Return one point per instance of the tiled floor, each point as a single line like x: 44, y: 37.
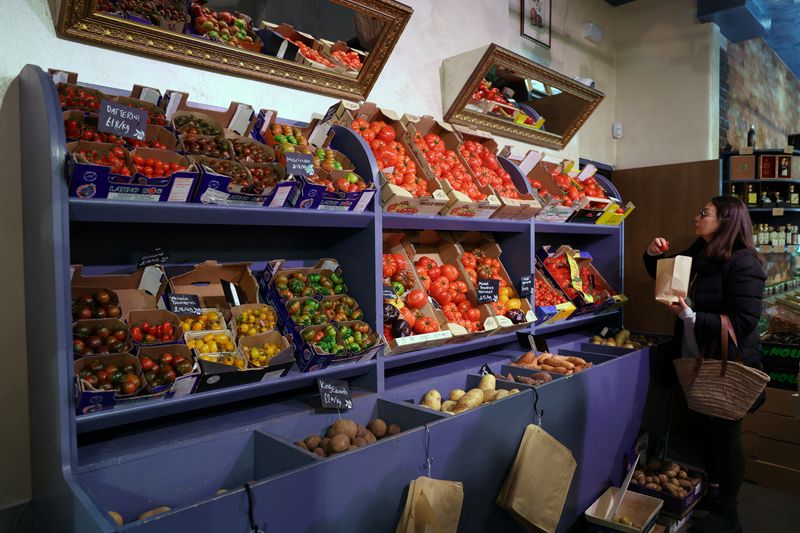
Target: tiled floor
x: 764, y: 510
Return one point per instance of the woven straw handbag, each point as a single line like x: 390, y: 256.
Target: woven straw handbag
x: 720, y: 388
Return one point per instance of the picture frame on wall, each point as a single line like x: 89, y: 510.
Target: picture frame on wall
x: 535, y: 16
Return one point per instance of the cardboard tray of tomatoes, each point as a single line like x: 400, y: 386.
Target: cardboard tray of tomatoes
x: 424, y: 327
x: 113, y: 177
x: 161, y: 384
x: 437, y: 140
x: 239, y: 117
x: 140, y: 289
x: 450, y: 287
x: 511, y: 311
x: 90, y: 399
x: 343, y: 55
x: 237, y: 187
x: 550, y: 303
x: 405, y: 186
x: 155, y: 327
x: 203, y: 280
x: 566, y: 268
x: 480, y: 151
x: 155, y: 115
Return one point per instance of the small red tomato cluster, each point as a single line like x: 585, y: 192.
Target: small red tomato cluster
x: 571, y: 190
x: 450, y: 292
x: 558, y: 267
x: 147, y: 333
x: 397, y: 165
x: 313, y: 55
x: 111, y: 377
x: 545, y: 295
x: 447, y: 166
x: 487, y: 170
x: 153, y: 168
x: 114, y: 158
x: 350, y: 183
x: 98, y: 340
x: 155, y: 144
x: 487, y: 92
x: 351, y: 59
x: 163, y: 370
x: 73, y: 97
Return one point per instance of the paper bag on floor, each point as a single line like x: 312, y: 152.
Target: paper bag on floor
x: 672, y: 278
x: 432, y: 506
x: 534, y: 504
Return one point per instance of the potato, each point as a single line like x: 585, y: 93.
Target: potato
x: 394, y: 429
x: 352, y: 447
x: 321, y: 452
x: 488, y: 382
x: 471, y: 399
x: 638, y: 472
x: 358, y: 442
x: 653, y: 486
x: 654, y: 464
x: 513, y: 391
x: 338, y: 444
x: 674, y: 482
x: 648, y: 479
x: 499, y: 395
x: 682, y: 474
x: 695, y: 481
x: 324, y: 443
x: 312, y: 442
x: 361, y: 432
x: 597, y: 339
x: 685, y: 483
x: 377, y: 427
x: 672, y: 489
x: 302, y: 444
x: 459, y: 408
x: 344, y: 427
x: 153, y: 512
x: 432, y: 400
x: 488, y: 395
x: 448, y: 405
x: 116, y: 517
x: 370, y: 437
x: 455, y: 394
x: 663, y: 478
x: 222, y: 491
x: 671, y: 473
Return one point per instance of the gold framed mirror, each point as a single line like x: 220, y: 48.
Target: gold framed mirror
x: 496, y: 90
x: 332, y: 47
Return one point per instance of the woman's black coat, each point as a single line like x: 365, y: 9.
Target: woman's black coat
x: 734, y: 288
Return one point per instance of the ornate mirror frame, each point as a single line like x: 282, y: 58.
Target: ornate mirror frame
x: 495, y: 55
x: 78, y: 20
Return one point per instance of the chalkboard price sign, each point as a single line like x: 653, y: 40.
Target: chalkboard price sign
x: 122, y: 120
x: 156, y: 257
x: 184, y: 304
x: 525, y: 285
x: 485, y: 370
x: 488, y: 290
x: 299, y: 164
x: 334, y: 393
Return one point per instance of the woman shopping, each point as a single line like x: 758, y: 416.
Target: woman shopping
x: 727, y: 280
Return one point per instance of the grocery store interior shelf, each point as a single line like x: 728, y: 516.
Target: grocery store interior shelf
x: 450, y: 223
x: 577, y: 321
x: 768, y: 181
x: 575, y: 228
x: 150, y: 409
x: 429, y: 354
x: 190, y: 213
x: 770, y: 209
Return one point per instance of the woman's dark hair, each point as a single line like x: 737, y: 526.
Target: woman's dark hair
x: 735, y: 229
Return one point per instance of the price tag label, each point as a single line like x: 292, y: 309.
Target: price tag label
x: 485, y: 370
x: 184, y: 304
x: 540, y: 343
x: 233, y: 293
x: 299, y: 164
x: 156, y: 257
x: 777, y: 211
x: 388, y: 293
x: 122, y: 120
x: 488, y: 290
x: 525, y: 285
x: 334, y: 393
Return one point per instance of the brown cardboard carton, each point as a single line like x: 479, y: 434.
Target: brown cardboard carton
x: 783, y: 428
x: 204, y: 281
x: 742, y: 167
x: 141, y: 289
x: 772, y: 451
x: 772, y: 476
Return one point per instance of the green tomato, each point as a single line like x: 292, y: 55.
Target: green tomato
x: 339, y: 289
x: 213, y: 34
x: 352, y: 178
x: 398, y: 288
x: 291, y: 140
x: 337, y: 165
x: 240, y: 23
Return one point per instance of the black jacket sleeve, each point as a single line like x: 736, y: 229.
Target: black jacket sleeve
x: 743, y: 289
x: 651, y: 261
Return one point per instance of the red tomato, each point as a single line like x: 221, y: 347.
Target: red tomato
x: 425, y: 325
x: 449, y: 271
x: 415, y: 299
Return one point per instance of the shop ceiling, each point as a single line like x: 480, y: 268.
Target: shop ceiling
x: 739, y: 20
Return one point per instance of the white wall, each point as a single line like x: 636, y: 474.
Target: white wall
x: 667, y: 84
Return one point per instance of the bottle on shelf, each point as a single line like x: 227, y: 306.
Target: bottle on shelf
x: 752, y: 196
x: 778, y: 199
x: 794, y: 197
x: 751, y: 136
x: 734, y: 190
x: 765, y: 199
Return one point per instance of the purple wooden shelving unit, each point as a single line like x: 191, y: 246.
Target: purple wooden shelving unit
x: 178, y: 452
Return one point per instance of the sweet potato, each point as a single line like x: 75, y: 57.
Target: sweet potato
x: 153, y: 512
x: 527, y: 358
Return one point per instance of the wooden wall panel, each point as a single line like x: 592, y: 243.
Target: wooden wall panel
x: 667, y: 198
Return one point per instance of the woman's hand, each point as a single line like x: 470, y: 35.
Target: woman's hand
x: 658, y: 246
x: 677, y: 308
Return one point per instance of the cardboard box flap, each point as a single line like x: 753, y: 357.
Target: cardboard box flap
x: 141, y: 289
x: 204, y: 281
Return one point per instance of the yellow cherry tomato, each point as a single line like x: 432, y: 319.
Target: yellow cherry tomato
x: 513, y: 303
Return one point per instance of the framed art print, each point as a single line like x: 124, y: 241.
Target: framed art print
x: 535, y: 20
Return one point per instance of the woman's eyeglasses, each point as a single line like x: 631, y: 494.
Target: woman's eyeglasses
x: 706, y: 213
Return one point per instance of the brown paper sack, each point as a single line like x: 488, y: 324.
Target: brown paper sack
x: 534, y: 504
x: 672, y: 278
x: 432, y: 506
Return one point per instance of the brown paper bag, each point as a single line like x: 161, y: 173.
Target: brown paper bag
x: 672, y: 278
x: 432, y: 506
x: 534, y: 504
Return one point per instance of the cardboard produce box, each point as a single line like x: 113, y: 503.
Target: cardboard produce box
x: 204, y: 281
x: 90, y: 400
x: 460, y: 204
x: 773, y: 476
x: 183, y: 385
x: 238, y: 118
x: 141, y: 289
x: 742, y: 167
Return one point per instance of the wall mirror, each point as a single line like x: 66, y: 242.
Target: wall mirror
x: 496, y: 90
x: 332, y: 47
